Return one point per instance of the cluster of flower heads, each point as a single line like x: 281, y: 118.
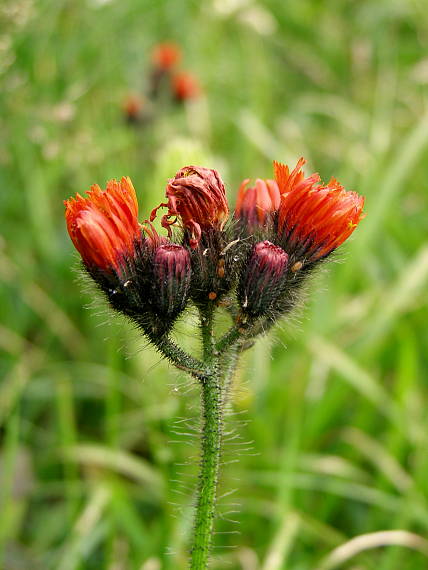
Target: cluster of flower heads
x: 253, y: 259
x: 165, y: 80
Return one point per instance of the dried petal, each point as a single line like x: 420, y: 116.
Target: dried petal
x: 197, y: 199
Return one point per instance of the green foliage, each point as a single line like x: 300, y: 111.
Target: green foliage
x: 98, y: 448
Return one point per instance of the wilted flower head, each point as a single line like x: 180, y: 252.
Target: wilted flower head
x: 197, y: 197
x: 104, y: 225
x: 313, y: 219
x: 255, y: 205
x: 166, y: 55
x: 185, y: 86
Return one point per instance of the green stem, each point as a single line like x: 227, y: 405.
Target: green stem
x: 206, y: 316
x: 229, y: 364
x: 236, y: 333
x: 214, y: 373
x: 212, y: 412
x: 208, y: 477
x: 227, y: 340
x: 179, y: 357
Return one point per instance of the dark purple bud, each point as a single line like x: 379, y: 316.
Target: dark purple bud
x: 262, y: 278
x: 171, y: 279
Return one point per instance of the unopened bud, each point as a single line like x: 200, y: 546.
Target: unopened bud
x: 172, y: 280
x: 256, y: 205
x: 262, y: 279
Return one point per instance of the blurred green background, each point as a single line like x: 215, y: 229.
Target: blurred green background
x: 98, y: 437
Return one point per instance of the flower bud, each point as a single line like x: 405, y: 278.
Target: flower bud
x: 262, y: 279
x: 197, y: 198
x: 171, y: 280
x: 255, y: 205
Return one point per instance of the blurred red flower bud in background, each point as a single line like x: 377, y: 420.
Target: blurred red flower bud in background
x: 185, y: 86
x: 132, y: 108
x: 166, y: 55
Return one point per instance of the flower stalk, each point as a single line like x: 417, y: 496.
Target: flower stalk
x: 215, y: 389
x: 212, y: 430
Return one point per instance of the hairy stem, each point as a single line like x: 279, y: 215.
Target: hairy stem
x: 208, y: 477
x: 229, y: 363
x: 179, y: 357
x: 206, y: 316
x: 236, y: 333
x: 228, y: 340
x: 212, y: 413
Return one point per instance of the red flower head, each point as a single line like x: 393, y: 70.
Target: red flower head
x: 185, y: 86
x: 166, y: 55
x: 103, y: 226
x: 315, y: 219
x: 198, y: 198
x: 255, y: 205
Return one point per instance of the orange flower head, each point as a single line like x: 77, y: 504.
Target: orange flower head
x: 197, y: 198
x: 166, y: 55
x: 255, y: 205
x: 315, y: 219
x: 104, y: 225
x: 185, y: 86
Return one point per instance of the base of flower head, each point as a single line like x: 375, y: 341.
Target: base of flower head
x: 152, y: 286
x: 216, y: 262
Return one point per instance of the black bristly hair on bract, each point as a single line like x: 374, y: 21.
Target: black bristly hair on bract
x: 302, y: 263
x: 132, y: 291
x: 216, y: 264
